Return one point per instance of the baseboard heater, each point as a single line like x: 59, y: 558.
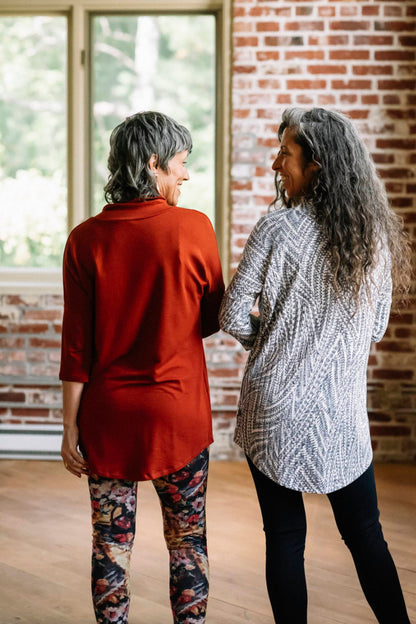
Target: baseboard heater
x: 30, y: 441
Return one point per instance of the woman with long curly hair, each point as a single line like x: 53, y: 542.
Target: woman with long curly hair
x: 323, y: 268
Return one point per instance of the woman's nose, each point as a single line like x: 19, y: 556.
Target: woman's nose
x: 276, y: 163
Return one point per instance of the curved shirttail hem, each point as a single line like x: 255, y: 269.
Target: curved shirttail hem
x: 163, y: 473
x: 298, y: 489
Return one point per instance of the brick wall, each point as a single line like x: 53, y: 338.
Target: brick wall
x: 359, y: 58
x: 355, y: 56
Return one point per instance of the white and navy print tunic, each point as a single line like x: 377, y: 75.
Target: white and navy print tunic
x: 302, y: 416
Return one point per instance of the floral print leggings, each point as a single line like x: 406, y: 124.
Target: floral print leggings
x: 182, y: 499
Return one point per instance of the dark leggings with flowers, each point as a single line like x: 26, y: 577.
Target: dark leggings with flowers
x: 182, y: 499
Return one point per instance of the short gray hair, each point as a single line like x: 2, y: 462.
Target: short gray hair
x: 132, y: 144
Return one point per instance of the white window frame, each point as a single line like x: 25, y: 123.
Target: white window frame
x: 48, y: 281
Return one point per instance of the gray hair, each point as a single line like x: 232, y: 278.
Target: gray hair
x: 132, y: 144
x: 348, y: 199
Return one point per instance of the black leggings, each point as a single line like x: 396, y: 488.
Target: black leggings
x: 357, y: 517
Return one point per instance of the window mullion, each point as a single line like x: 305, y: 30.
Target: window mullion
x: 77, y: 117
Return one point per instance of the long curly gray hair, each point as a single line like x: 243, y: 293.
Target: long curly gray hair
x: 132, y: 144
x: 348, y: 199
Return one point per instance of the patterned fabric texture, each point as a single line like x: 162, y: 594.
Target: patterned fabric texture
x: 182, y: 498
x: 302, y: 416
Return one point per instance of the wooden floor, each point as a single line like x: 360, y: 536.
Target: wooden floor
x: 45, y: 549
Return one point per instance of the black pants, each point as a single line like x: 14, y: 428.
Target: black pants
x: 357, y: 517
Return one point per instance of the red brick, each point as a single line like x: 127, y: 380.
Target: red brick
x: 380, y: 373
x: 395, y: 26
x: 12, y: 397
x: 305, y: 26
x: 351, y: 84
x: 358, y: 114
x: 29, y: 328
x: 370, y: 10
x: 379, y: 417
x: 304, y: 54
x: 373, y: 40
x: 350, y: 25
x: 401, y: 319
x: 241, y: 186
x: 390, y: 430
x: 326, y: 11
x: 30, y: 411
x: 328, y: 40
x: 393, y: 11
x: 394, y: 113
x: 246, y: 41
x: 394, y: 346
x: 243, y: 27
x: 269, y: 55
x: 241, y: 114
x: 44, y: 343
x: 407, y: 42
x: 305, y: 10
x: 395, y: 173
x: 42, y: 315
x: 257, y: 11
x: 304, y: 99
x: 10, y: 342
x: 283, y: 98
x: 401, y: 202
x: 269, y: 83
x: 370, y: 99
x: 405, y: 332
x: 396, y: 143
x: 394, y: 85
x: 326, y: 99
x: 283, y: 42
x: 245, y: 69
x: 364, y: 70
x: 306, y: 84
x: 327, y: 69
x: 225, y: 372
x: 341, y: 55
x: 394, y: 55
x: 384, y: 159
x: 393, y: 187
x: 267, y: 26
x: 239, y: 11
x: 391, y: 99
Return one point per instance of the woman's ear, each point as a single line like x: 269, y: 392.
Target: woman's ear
x: 153, y: 163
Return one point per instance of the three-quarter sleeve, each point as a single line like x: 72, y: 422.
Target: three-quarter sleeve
x: 77, y: 327
x: 383, y: 305
x: 245, y: 287
x: 214, y: 288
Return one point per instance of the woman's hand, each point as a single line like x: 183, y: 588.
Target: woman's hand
x: 73, y: 460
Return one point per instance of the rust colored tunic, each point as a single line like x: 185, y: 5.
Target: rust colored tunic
x: 142, y: 287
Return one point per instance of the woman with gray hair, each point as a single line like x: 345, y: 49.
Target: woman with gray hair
x: 142, y: 287
x: 322, y: 268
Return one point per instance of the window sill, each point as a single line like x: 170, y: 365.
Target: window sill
x: 30, y: 281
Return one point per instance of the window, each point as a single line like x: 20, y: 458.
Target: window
x: 164, y: 63
x: 33, y: 126
x: 68, y: 78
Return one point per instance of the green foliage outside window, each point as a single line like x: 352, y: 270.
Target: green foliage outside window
x: 33, y: 128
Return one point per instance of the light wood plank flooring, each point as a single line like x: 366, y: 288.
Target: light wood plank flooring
x: 45, y: 549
